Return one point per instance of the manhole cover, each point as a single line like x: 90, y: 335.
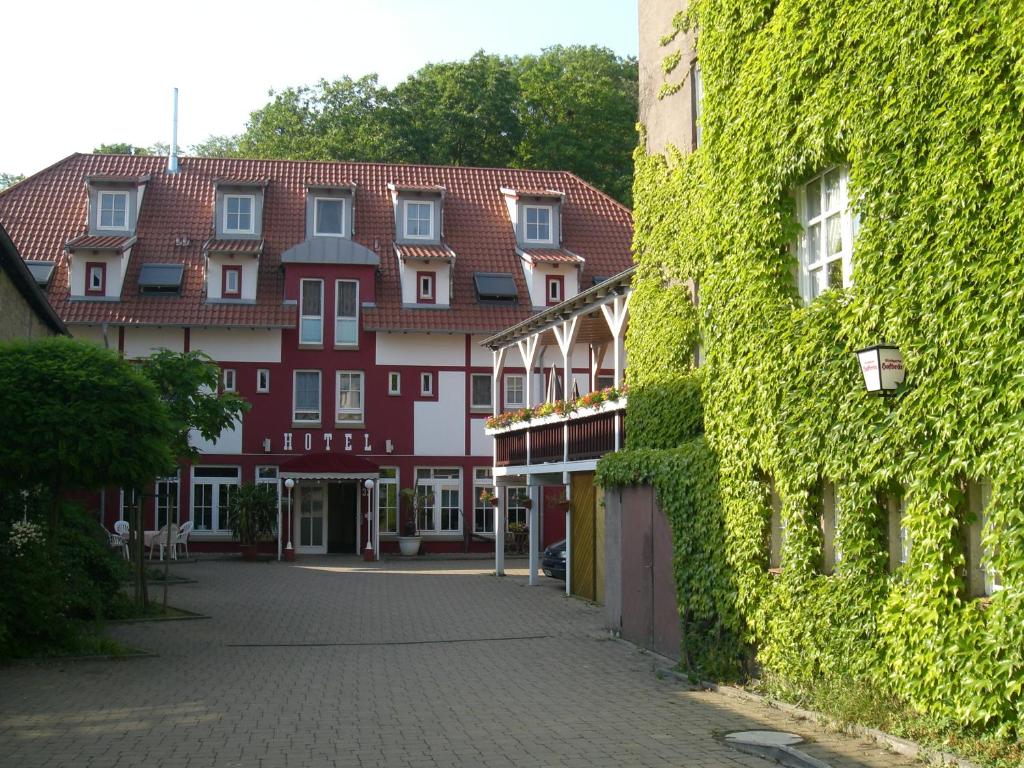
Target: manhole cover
x: 764, y: 738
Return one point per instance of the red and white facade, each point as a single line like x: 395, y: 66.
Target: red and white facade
x: 345, y: 301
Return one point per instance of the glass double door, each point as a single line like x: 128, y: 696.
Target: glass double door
x: 327, y: 518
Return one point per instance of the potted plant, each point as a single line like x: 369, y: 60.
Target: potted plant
x: 415, y: 500
x: 487, y: 497
x: 252, y: 511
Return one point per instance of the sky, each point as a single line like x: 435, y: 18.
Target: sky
x: 81, y: 74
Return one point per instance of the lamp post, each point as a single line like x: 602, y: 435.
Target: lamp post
x: 368, y: 551
x: 882, y: 367
x: 289, y: 551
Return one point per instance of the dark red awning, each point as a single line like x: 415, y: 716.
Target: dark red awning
x: 329, y: 466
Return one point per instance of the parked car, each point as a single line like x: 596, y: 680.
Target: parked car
x: 554, y: 560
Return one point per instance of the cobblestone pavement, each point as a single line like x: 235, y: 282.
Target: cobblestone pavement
x: 330, y: 662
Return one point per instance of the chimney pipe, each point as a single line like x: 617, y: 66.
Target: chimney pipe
x: 172, y: 159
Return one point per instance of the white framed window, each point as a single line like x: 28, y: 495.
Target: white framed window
x: 387, y: 487
x: 346, y: 313
x: 113, y: 210
x: 232, y: 279
x: 481, y: 385
x: 350, y: 397
x: 605, y: 381
x: 426, y: 384
x: 443, y: 487
x: 425, y: 286
x: 394, y: 383
x: 696, y: 102
x: 483, y: 511
x: 899, y: 537
x: 263, y: 380
x: 125, y: 502
x: 826, y: 244
x: 515, y: 390
x: 211, y: 494
x: 776, y: 529
x: 306, y: 398
x: 238, y: 214
x: 993, y: 579
x: 311, y: 311
x: 419, y: 219
x: 329, y: 217
x: 167, y: 500
x: 538, y: 223
x: 555, y: 289
x: 228, y: 379
x: 830, y: 554
x: 268, y: 476
x: 515, y: 506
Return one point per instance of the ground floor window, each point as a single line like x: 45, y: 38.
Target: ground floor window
x: 441, y: 489
x: 483, y: 510
x: 211, y: 492
x: 167, y: 500
x: 516, y: 512
x: 387, y: 487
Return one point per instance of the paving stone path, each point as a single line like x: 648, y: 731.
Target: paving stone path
x: 333, y: 662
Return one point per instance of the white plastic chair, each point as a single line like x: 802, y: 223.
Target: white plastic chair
x: 181, y: 540
x: 160, y: 542
x: 123, y: 531
x: 116, y: 540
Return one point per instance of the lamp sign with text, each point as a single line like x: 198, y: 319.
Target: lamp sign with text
x: 882, y: 366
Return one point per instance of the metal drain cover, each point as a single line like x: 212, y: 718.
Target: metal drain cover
x: 763, y: 738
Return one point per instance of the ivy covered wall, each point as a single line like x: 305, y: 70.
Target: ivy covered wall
x: 924, y: 103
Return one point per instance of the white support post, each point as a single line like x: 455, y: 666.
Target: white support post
x: 565, y: 335
x: 528, y: 350
x: 376, y: 520
x: 499, y: 532
x: 498, y: 356
x: 597, y: 355
x: 615, y: 314
x: 534, y: 535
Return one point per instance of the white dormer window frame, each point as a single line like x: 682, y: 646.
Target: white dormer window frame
x: 543, y: 232
x: 316, y: 216
x: 105, y: 205
x: 407, y: 207
x: 237, y: 214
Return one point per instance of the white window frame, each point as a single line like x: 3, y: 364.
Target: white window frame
x: 526, y: 224
x: 394, y: 382
x: 174, y: 480
x: 483, y: 479
x: 426, y: 278
x: 96, y: 268
x: 992, y: 579
x: 232, y: 271
x: 318, y: 318
x: 261, y: 478
x: 319, y: 400
x: 349, y: 415
x: 316, y: 216
x: 489, y: 405
x: 121, y: 505
x: 426, y: 384
x: 555, y: 296
x: 509, y: 403
x: 310, y: 494
x: 262, y: 380
x: 229, y: 379
x: 252, y: 215
x: 513, y: 496
x: 405, y: 219
x: 100, y: 208
x: 437, y: 486
x: 390, y: 481
x: 345, y: 321
x: 814, y: 276
x: 217, y: 503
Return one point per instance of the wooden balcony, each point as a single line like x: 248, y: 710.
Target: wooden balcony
x: 579, y: 436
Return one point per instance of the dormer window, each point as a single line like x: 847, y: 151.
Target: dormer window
x: 419, y: 219
x: 232, y: 281
x: 538, y: 223
x: 113, y: 210
x: 329, y: 217
x: 425, y: 287
x: 238, y: 214
x: 95, y: 278
x: 555, y: 289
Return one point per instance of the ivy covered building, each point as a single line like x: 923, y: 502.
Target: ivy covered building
x: 815, y: 179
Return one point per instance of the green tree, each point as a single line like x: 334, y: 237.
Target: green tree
x: 578, y: 109
x: 77, y: 417
x: 341, y: 120
x: 216, y: 146
x: 9, y: 179
x: 461, y: 113
x: 121, y: 148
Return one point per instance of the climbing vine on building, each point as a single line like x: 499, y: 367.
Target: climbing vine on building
x: 924, y: 104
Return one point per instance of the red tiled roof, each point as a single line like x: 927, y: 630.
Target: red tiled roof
x: 425, y: 252
x: 47, y: 210
x: 399, y: 187
x: 100, y: 243
x: 553, y: 256
x: 233, y: 246
x: 537, y: 193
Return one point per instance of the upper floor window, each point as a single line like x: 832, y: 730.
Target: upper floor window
x: 515, y: 392
x: 329, y: 217
x: 311, y: 312
x: 263, y: 380
x: 113, y: 210
x: 350, y: 397
x: 346, y: 313
x: 826, y: 244
x: 238, y: 214
x: 481, y: 390
x: 229, y: 379
x: 696, y: 101
x: 232, y: 278
x: 419, y: 219
x: 538, y: 223
x: 555, y: 289
x: 306, y: 397
x: 95, y: 278
x: 425, y: 287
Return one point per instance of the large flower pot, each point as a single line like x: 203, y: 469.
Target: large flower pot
x: 249, y: 552
x: 409, y: 545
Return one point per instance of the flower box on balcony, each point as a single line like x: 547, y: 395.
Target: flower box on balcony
x: 582, y: 412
